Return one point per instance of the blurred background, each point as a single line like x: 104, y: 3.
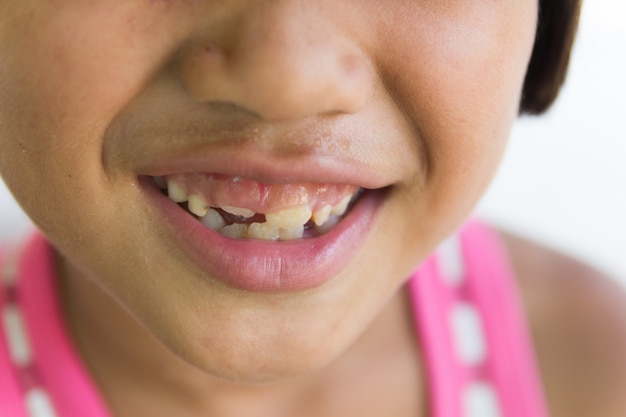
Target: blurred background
x: 563, y: 181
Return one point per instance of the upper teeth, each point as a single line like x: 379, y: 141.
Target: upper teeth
x: 341, y: 208
x: 289, y: 218
x: 237, y: 211
x: 176, y: 192
x: 320, y: 216
x: 285, y: 224
x: 197, y: 205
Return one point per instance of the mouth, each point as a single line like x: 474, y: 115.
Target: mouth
x: 260, y: 237
x: 240, y: 208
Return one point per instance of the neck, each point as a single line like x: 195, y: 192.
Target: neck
x: 137, y: 375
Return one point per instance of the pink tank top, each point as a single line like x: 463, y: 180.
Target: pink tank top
x: 469, y: 318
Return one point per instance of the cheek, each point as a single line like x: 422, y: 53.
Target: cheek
x: 61, y: 83
x: 461, y: 87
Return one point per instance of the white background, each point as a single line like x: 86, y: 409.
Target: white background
x: 563, y: 181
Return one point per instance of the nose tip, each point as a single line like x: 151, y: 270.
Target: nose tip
x: 279, y: 72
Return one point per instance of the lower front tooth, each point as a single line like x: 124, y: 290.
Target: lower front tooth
x: 213, y: 220
x: 263, y: 231
x: 235, y: 230
x: 291, y: 234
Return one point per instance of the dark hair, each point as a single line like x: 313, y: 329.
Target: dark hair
x: 556, y: 30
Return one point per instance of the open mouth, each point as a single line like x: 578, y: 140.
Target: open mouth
x: 240, y: 208
x: 265, y: 237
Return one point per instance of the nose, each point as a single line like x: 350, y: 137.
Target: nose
x: 280, y: 60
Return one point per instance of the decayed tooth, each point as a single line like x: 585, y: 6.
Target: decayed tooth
x: 235, y: 230
x: 263, y: 231
x: 176, y: 192
x: 320, y: 216
x: 341, y: 207
x: 198, y: 205
x: 213, y: 219
x: 238, y: 211
x: 291, y: 234
x: 289, y: 218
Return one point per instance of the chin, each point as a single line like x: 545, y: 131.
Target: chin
x: 265, y: 369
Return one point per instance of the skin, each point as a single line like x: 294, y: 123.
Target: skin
x: 430, y: 89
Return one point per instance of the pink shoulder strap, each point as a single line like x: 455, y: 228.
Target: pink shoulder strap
x: 10, y: 390
x: 478, y: 352
x: 40, y: 373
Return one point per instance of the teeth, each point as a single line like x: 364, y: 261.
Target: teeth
x: 238, y: 211
x: 213, y: 219
x: 289, y: 218
x: 263, y: 231
x: 198, y: 205
x: 292, y: 234
x: 286, y: 224
x: 176, y: 192
x: 330, y: 223
x: 341, y: 208
x: 321, y: 215
x: 235, y: 230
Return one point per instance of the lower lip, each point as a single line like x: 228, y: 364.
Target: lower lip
x: 266, y: 266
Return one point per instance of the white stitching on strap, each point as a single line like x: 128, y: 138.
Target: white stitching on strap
x: 450, y: 261
x: 38, y: 403
x: 481, y: 400
x: 468, y: 334
x: 478, y: 398
x: 15, y: 333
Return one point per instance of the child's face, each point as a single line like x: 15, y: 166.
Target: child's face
x: 414, y: 98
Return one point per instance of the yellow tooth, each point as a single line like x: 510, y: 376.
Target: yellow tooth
x: 321, y: 215
x: 341, y: 207
x: 213, y: 219
x: 176, y: 192
x: 238, y: 211
x: 198, y: 205
x: 263, y: 231
x: 291, y: 234
x: 289, y: 218
x: 235, y: 230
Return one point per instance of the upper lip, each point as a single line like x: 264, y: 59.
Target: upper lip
x: 268, y: 160
x: 264, y: 167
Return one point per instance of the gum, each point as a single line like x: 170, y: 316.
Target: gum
x: 220, y: 191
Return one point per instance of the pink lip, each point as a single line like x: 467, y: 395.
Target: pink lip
x: 266, y: 167
x: 264, y: 266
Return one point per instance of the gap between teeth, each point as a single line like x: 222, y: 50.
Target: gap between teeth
x: 286, y: 224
